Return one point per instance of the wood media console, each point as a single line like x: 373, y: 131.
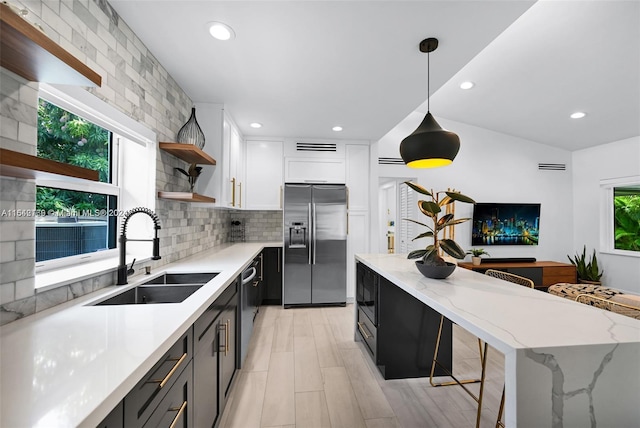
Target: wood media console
x: 543, y: 274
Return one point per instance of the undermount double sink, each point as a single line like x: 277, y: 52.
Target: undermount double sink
x: 165, y: 288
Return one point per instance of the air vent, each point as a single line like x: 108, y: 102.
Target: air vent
x: 390, y: 161
x: 552, y: 166
x: 316, y: 147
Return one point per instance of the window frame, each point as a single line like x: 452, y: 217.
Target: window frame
x: 607, y: 208
x: 125, y: 130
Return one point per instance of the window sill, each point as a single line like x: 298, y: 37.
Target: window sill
x: 622, y: 253
x: 55, y: 278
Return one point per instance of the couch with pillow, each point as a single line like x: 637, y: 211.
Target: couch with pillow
x: 601, y: 297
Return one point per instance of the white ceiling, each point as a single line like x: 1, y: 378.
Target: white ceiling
x: 301, y: 67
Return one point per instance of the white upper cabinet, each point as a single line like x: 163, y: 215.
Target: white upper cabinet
x: 224, y: 143
x: 263, y: 173
x: 314, y: 162
x: 357, y: 176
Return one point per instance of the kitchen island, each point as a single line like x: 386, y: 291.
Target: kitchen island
x: 72, y: 364
x: 566, y: 364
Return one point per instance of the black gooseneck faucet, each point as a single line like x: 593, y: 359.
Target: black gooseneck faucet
x: 122, y: 266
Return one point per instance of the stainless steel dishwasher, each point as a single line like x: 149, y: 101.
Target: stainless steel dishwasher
x: 251, y: 279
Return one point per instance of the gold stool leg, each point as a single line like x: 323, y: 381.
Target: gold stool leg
x: 435, y: 362
x: 483, y: 360
x: 499, y: 422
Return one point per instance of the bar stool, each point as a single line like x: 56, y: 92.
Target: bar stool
x: 516, y: 279
x: 482, y: 347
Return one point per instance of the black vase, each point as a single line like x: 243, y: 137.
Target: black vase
x: 190, y: 133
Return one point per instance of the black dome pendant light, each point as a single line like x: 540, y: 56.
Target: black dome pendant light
x: 429, y: 146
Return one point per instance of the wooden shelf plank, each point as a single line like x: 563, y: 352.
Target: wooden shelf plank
x: 185, y: 197
x: 22, y: 165
x: 188, y: 153
x: 28, y: 52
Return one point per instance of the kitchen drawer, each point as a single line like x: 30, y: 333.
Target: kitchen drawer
x: 142, y: 400
x: 367, y: 332
x: 176, y: 408
x: 202, y: 325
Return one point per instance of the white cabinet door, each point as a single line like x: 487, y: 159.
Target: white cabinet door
x: 357, y: 175
x: 263, y: 175
x: 224, y: 143
x: 314, y: 170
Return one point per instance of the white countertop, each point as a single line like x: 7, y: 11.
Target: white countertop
x: 72, y: 364
x: 506, y: 316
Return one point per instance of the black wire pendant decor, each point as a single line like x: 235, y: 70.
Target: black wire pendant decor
x: 191, y: 133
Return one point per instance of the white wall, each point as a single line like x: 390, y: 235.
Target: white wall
x: 494, y: 167
x: 613, y: 160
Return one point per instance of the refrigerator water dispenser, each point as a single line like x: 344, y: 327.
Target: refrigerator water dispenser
x: 297, y: 235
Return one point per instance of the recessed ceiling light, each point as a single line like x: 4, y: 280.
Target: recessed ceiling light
x: 467, y: 85
x: 255, y: 125
x: 578, y: 115
x: 337, y: 128
x: 221, y: 31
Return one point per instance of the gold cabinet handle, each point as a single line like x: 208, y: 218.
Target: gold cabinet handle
x: 363, y: 330
x: 233, y: 192
x: 240, y: 195
x: 261, y: 267
x: 180, y: 412
x: 164, y: 381
x: 279, y: 249
x: 281, y: 197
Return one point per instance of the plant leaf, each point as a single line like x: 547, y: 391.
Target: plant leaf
x: 416, y: 254
x: 429, y: 208
x: 450, y: 247
x: 182, y: 171
x: 460, y: 197
x: 418, y: 188
x: 445, y: 218
x: 423, y: 235
x: 417, y: 222
x: 454, y: 222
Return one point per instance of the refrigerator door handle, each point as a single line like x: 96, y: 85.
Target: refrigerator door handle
x: 312, y: 236
x: 314, y: 232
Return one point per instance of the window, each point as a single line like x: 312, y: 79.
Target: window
x: 78, y: 220
x: 626, y: 215
x: 71, y: 221
x: 620, y: 232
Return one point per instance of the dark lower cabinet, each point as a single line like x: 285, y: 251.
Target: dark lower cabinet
x: 402, y: 339
x: 176, y: 408
x: 115, y: 418
x: 189, y: 386
x: 142, y: 401
x: 272, y: 286
x: 214, y: 361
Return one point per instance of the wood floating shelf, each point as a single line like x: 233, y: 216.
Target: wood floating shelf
x: 22, y: 165
x: 28, y: 52
x: 185, y: 197
x: 188, y: 152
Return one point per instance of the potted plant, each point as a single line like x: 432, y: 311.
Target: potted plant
x: 587, y: 270
x: 192, y: 175
x: 475, y: 255
x: 431, y: 263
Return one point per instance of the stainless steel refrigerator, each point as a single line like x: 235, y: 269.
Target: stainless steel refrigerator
x: 315, y: 244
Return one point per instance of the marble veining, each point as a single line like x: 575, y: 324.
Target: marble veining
x: 558, y: 395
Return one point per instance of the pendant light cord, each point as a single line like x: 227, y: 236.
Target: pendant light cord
x: 428, y: 88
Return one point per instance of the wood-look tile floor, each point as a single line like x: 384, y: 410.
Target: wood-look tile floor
x: 304, y: 369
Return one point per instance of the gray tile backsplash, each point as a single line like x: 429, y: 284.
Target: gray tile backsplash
x: 138, y: 85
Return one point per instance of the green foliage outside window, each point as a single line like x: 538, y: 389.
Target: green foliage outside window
x: 67, y: 138
x: 627, y: 218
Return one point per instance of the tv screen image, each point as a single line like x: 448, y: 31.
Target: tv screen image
x: 505, y: 224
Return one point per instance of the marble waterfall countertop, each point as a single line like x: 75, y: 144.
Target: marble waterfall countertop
x: 559, y: 355
x: 72, y: 364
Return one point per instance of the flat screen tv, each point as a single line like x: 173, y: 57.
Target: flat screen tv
x: 505, y: 224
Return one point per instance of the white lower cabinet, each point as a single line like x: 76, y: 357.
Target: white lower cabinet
x: 263, y: 175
